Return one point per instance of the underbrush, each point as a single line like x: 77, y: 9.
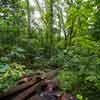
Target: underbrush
x: 87, y: 85
x: 10, y: 74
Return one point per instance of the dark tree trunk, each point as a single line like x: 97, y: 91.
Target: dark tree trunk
x: 28, y: 18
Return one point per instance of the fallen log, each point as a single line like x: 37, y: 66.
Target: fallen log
x: 35, y: 97
x: 18, y: 88
x: 50, y: 75
x: 26, y: 93
x: 24, y: 90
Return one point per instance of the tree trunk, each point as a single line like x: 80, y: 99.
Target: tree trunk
x: 51, y: 26
x: 28, y: 18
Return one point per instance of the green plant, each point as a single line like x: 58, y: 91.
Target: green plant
x: 9, y: 74
x: 67, y: 78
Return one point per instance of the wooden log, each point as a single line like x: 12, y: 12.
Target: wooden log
x: 36, y: 97
x: 50, y: 75
x: 18, y: 88
x: 32, y: 89
x: 26, y: 93
x: 22, y: 91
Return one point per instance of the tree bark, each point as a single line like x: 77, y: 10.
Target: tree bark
x: 28, y: 19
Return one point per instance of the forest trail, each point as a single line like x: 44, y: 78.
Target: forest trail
x: 43, y: 87
x: 27, y: 87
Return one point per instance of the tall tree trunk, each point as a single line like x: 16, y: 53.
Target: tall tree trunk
x: 51, y: 21
x: 64, y: 31
x: 51, y: 26
x: 28, y: 18
x: 59, y: 23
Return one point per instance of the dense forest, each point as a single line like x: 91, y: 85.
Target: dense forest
x: 52, y: 34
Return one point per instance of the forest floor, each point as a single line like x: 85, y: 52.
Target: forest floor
x: 39, y: 86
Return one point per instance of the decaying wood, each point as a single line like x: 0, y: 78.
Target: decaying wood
x: 18, y: 88
x: 51, y: 74
x: 36, y: 97
x: 22, y: 91
x: 26, y: 93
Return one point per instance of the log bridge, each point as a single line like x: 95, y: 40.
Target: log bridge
x: 26, y: 90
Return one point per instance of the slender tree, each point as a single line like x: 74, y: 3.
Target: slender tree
x: 29, y: 18
x: 51, y: 22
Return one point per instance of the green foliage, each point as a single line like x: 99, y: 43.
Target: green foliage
x: 65, y: 35
x: 9, y: 74
x: 79, y: 97
x: 84, y: 83
x: 81, y: 68
x: 67, y: 78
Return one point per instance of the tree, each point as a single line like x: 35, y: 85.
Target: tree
x: 29, y: 18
